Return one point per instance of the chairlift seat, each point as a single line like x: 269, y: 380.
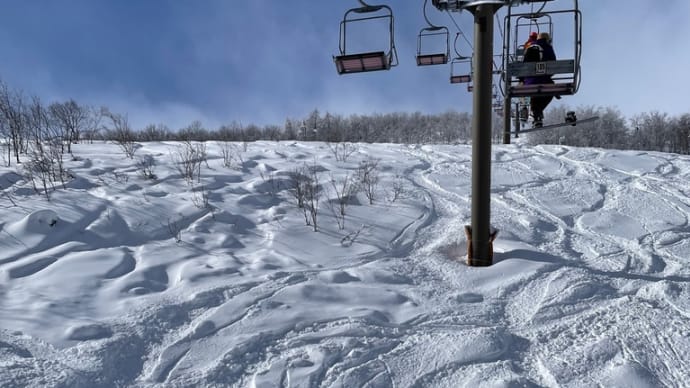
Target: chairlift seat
x: 542, y: 90
x: 459, y: 79
x: 358, y: 63
x: 432, y: 59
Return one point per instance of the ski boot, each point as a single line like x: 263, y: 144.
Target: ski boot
x: 570, y: 118
x: 537, y: 121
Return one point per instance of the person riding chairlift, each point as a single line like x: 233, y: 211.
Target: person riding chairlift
x: 531, y: 40
x: 539, y: 51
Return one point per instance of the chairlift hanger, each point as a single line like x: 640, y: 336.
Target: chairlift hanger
x: 425, y: 59
x: 347, y: 63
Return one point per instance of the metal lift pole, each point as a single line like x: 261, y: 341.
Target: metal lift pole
x: 481, y: 134
x: 506, y: 82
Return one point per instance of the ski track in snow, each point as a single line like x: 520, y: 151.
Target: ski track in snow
x: 570, y: 301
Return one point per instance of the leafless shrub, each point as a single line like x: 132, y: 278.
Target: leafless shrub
x: 187, y: 159
x: 45, y: 166
x: 232, y: 155
x: 342, y: 151
x: 5, y: 150
x: 122, y: 134
x: 146, y: 165
x: 312, y: 195
x: 368, y: 177
x: 6, y: 193
x: 175, y: 230
x: 202, y: 152
x: 200, y: 197
x: 350, y: 238
x: 269, y: 177
x: 120, y: 177
x: 305, y: 188
x: 39, y: 170
x: 397, y: 188
x: 298, y: 180
x: 343, y: 189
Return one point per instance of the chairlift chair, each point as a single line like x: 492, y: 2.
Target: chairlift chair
x: 425, y: 59
x: 564, y: 72
x: 347, y: 63
x: 457, y: 77
x: 460, y: 61
x: 432, y: 32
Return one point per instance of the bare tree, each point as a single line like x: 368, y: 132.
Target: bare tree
x: 94, y: 128
x: 344, y: 189
x: 232, y: 154
x: 368, y: 176
x: 121, y: 133
x: 312, y: 195
x: 147, y: 165
x: 681, y: 133
x: 305, y: 187
x: 342, y: 151
x: 298, y: 180
x: 188, y: 158
x: 12, y: 110
x: 72, y: 118
x: 155, y: 132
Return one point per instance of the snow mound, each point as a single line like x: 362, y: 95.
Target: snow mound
x: 38, y: 222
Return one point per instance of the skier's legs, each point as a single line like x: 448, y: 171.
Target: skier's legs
x: 538, y: 104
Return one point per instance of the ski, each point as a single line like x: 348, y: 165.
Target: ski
x: 550, y: 126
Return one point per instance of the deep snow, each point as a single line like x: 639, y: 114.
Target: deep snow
x: 589, y: 285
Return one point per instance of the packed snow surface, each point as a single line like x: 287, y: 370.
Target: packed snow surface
x: 119, y: 280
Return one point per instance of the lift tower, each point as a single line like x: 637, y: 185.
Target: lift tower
x: 483, y: 10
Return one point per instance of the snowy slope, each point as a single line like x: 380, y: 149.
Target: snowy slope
x: 589, y: 286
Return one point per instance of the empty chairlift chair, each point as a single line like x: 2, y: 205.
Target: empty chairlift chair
x: 347, y: 63
x: 458, y: 64
x: 436, y: 33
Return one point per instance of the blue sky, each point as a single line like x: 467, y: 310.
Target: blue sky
x: 262, y: 61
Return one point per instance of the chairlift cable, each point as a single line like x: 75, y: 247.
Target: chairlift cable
x: 498, y: 24
x: 460, y: 30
